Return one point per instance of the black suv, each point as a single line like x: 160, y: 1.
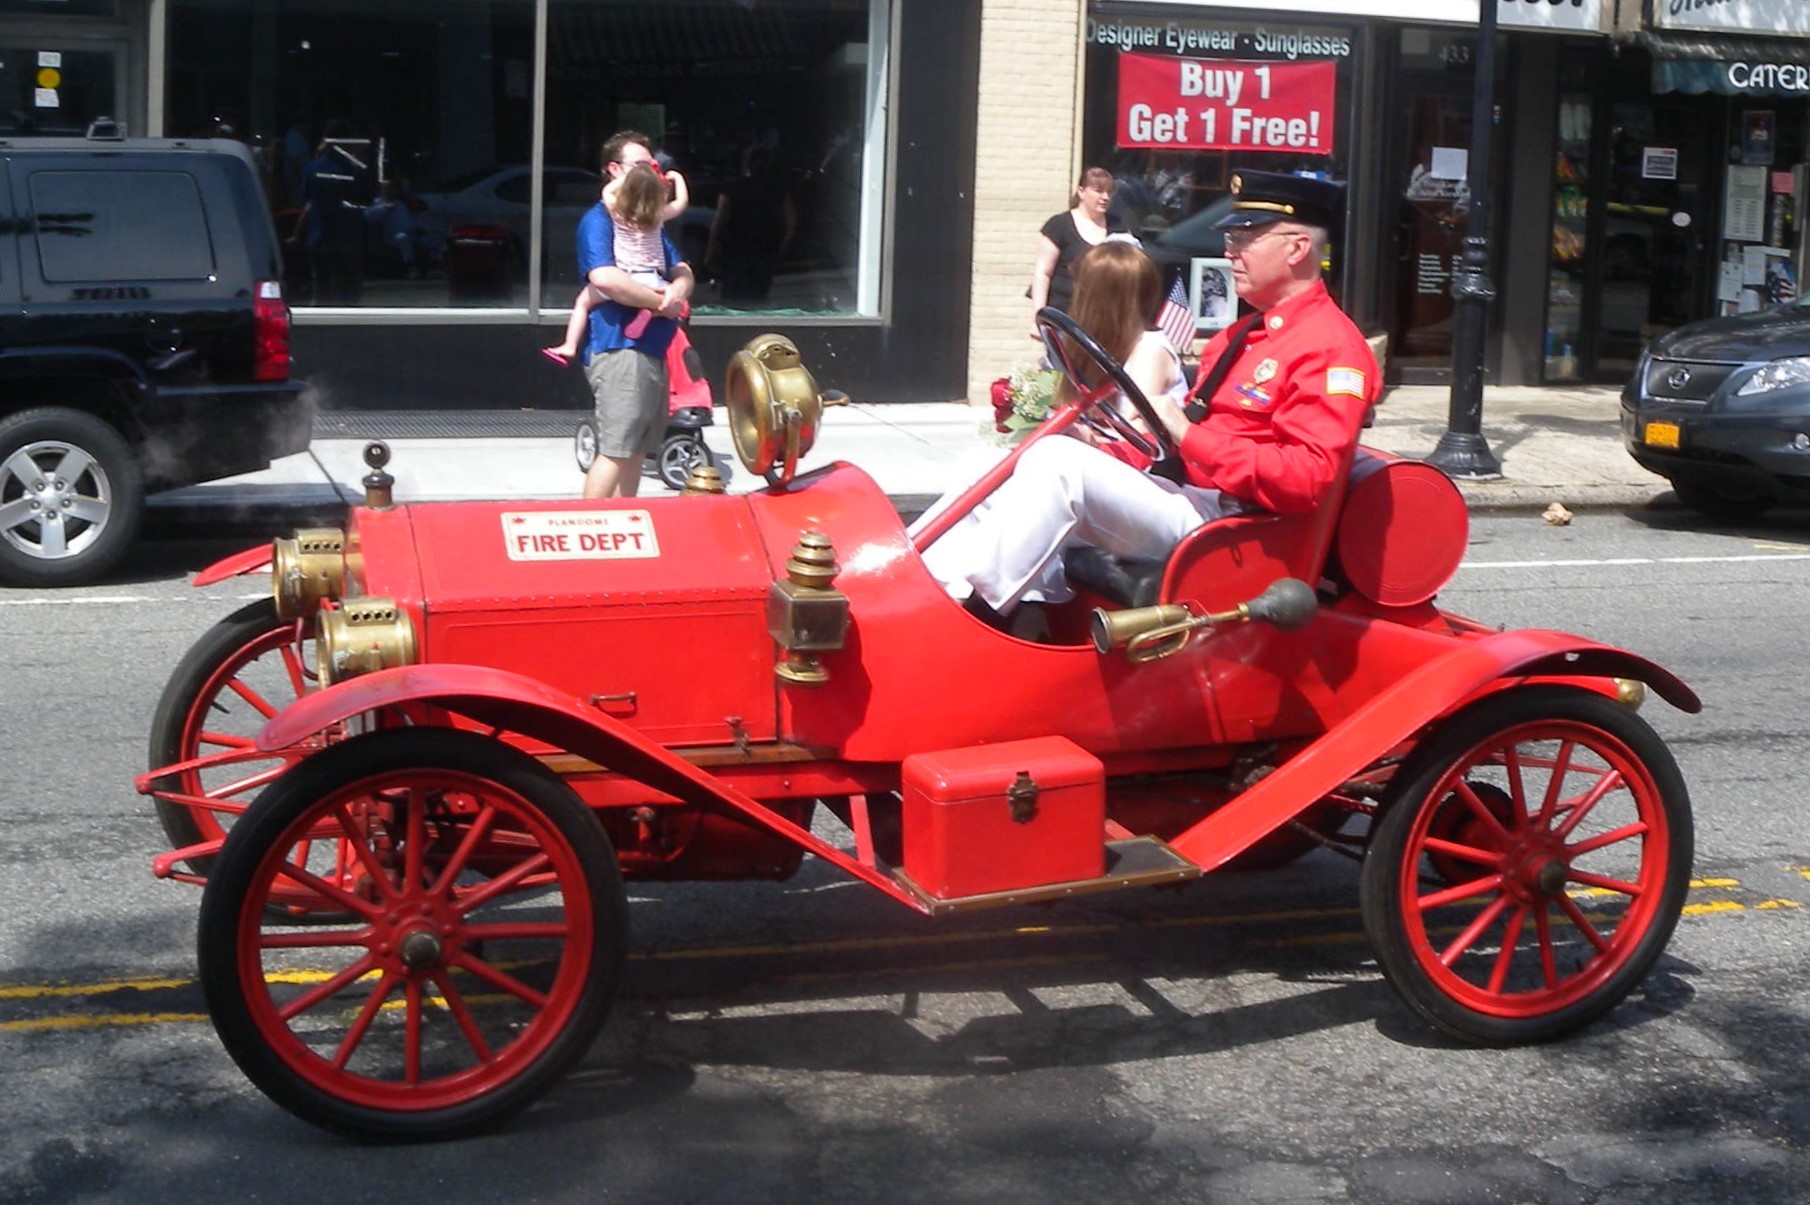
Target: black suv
x: 144, y: 340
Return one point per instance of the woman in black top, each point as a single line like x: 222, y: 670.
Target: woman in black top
x: 1066, y: 236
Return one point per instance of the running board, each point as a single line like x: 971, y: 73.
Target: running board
x: 1135, y: 862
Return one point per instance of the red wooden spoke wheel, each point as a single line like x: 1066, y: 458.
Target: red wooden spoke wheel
x: 241, y: 672
x: 1552, y: 894
x: 483, y: 939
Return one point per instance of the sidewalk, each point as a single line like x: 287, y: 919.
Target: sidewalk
x: 1555, y: 445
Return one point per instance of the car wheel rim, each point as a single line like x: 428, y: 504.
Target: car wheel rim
x: 55, y: 500
x: 466, y: 953
x: 677, y: 462
x: 1556, y: 894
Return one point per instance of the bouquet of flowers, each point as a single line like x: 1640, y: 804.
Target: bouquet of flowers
x: 1023, y: 399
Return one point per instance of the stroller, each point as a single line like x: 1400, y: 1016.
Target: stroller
x: 688, y: 412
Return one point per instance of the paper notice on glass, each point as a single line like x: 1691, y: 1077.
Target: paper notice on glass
x: 1753, y: 265
x: 46, y: 98
x: 1744, y: 204
x: 1449, y: 163
x: 1728, y: 285
x: 1750, y: 301
x: 1659, y: 163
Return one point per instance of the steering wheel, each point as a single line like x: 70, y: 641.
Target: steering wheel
x: 1095, y: 375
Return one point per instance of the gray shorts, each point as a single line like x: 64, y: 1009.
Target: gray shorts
x: 629, y: 389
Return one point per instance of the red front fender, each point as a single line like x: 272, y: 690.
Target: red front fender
x: 1436, y: 688
x: 499, y: 699
x: 252, y: 560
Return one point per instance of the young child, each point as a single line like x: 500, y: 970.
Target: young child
x: 638, y: 207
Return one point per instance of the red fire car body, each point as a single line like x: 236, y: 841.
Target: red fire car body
x: 413, y: 913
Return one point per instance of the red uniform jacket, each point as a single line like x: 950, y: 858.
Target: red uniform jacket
x: 1281, y: 427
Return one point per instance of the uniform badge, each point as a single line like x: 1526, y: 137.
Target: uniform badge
x: 1264, y: 371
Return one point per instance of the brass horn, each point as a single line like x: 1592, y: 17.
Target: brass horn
x: 1151, y: 633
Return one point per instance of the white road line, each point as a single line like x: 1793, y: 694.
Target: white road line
x: 1637, y: 560
x: 113, y: 600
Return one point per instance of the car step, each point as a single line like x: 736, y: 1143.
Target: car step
x: 1133, y: 862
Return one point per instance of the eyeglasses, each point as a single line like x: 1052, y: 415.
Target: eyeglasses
x: 1240, y: 241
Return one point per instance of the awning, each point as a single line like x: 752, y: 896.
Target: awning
x: 1730, y: 66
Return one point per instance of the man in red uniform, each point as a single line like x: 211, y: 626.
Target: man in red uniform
x: 1275, y: 435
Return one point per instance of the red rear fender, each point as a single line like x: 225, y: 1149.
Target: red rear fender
x: 1418, y: 698
x: 252, y: 560
x: 499, y: 699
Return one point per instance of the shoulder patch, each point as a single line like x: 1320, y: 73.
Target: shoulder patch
x: 1348, y: 381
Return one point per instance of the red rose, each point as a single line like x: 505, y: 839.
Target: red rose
x: 1002, y: 404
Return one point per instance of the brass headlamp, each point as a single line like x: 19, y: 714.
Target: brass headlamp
x: 362, y: 637
x: 306, y: 570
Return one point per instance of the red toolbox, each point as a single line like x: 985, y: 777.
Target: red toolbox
x: 991, y: 818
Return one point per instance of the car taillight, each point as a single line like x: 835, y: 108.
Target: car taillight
x: 270, y: 355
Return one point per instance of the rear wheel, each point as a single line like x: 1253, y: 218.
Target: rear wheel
x: 1531, y: 866
x: 71, y: 497
x: 584, y: 444
x: 484, y: 940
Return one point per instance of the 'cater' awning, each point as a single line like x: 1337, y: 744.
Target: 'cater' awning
x: 1731, y: 66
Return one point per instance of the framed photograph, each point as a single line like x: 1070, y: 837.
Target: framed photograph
x: 1211, y: 295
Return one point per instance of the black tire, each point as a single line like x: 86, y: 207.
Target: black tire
x: 678, y: 456
x: 222, y: 649
x: 88, y: 477
x: 584, y: 444
x: 1511, y: 994
x: 419, y: 769
x: 1721, y: 504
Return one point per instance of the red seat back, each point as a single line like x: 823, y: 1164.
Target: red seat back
x: 1232, y: 560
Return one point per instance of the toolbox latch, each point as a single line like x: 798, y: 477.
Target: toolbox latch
x: 1022, y: 795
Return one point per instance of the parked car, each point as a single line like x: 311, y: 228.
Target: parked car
x: 144, y: 339
x: 484, y: 217
x: 1721, y: 409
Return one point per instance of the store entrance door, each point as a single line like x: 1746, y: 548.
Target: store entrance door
x: 1656, y: 218
x: 52, y: 88
x: 1430, y: 171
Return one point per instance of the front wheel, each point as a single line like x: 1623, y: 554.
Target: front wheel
x: 484, y: 935
x: 71, y: 497
x: 1721, y: 503
x: 678, y: 456
x: 1530, y: 867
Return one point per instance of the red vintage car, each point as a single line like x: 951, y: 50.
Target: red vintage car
x: 414, y: 781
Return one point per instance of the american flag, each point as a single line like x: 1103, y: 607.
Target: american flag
x: 1176, y: 318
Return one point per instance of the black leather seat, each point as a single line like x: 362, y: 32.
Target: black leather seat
x: 1128, y: 581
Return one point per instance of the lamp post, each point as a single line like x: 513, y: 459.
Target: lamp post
x: 1462, y: 451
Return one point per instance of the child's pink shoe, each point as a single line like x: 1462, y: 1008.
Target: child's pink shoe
x: 638, y: 323
x: 557, y: 356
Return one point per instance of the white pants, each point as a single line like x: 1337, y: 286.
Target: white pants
x: 1061, y: 492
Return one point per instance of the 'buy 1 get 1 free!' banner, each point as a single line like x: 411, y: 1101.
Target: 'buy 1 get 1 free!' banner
x: 1169, y: 103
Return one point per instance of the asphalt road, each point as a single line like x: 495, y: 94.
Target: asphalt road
x: 811, y: 1041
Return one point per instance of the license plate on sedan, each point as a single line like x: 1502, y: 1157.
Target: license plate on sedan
x: 1661, y: 435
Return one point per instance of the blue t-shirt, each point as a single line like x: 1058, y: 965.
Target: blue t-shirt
x: 597, y: 249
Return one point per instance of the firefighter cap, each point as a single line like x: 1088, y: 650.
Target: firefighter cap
x: 1260, y: 198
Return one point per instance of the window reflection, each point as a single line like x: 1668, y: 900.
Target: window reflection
x: 764, y: 108
x: 423, y: 108
x: 761, y: 108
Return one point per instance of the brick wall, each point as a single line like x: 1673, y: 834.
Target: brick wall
x: 1026, y: 158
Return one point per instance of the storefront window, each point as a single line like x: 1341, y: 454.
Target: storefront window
x: 767, y: 111
x: 1175, y: 107
x: 418, y: 116
x: 408, y: 122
